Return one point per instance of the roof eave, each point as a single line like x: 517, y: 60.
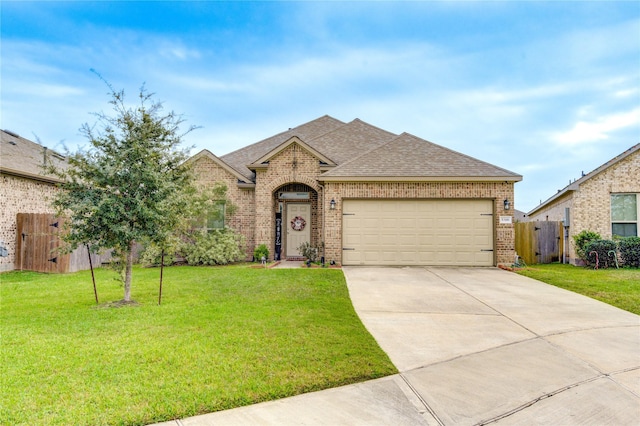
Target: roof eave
x: 208, y: 154
x: 294, y: 139
x: 576, y: 184
x: 506, y: 179
x: 33, y: 176
x: 326, y: 167
x: 569, y: 189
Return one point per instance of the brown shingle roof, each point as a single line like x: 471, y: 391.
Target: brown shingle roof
x: 363, y: 151
x: 22, y: 157
x: 351, y: 140
x: 408, y: 156
x: 240, y: 158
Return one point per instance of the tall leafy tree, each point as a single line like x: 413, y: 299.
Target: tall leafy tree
x: 130, y: 185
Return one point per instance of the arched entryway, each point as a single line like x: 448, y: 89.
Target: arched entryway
x: 297, y: 219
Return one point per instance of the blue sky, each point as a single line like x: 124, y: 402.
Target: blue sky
x: 544, y: 89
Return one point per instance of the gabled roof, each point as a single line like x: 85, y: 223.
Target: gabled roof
x: 261, y: 162
x: 239, y: 159
x: 351, y: 140
x: 573, y: 186
x: 360, y: 151
x: 22, y: 157
x: 409, y: 157
x: 205, y: 153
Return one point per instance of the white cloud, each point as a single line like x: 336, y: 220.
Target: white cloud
x: 626, y: 93
x: 598, y: 129
x: 180, y: 52
x: 44, y: 90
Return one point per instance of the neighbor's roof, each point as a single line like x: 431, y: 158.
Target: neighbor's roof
x: 364, y: 152
x: 576, y: 184
x: 22, y: 157
x: 408, y: 156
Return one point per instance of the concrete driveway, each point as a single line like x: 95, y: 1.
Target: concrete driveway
x: 475, y: 346
x: 482, y: 345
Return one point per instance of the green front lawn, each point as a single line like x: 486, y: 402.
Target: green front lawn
x: 617, y: 287
x: 223, y: 337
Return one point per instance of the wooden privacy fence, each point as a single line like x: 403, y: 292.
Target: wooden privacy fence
x: 539, y: 242
x: 38, y: 242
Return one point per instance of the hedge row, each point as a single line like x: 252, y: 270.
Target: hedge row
x: 607, y: 253
x: 215, y: 247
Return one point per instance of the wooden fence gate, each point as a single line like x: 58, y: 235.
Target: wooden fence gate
x: 539, y: 242
x: 38, y: 242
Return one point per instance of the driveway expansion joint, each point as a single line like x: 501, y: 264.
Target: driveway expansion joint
x: 416, y: 395
x: 484, y: 303
x: 583, y: 329
x: 540, y: 398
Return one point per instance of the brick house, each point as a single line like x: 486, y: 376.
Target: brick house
x: 25, y: 189
x: 367, y: 196
x: 606, y: 201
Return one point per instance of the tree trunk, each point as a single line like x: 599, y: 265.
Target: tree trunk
x: 127, y: 273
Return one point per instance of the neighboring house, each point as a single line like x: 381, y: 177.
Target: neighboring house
x: 520, y: 216
x: 606, y: 201
x: 25, y: 189
x: 367, y: 196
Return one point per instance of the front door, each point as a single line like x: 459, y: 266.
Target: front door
x: 298, y: 227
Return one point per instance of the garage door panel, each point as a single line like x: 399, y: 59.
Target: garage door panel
x: 369, y: 240
x: 386, y: 223
x: 387, y: 208
x: 404, y: 223
x: 406, y: 240
x: 407, y: 257
x: 370, y: 222
x: 418, y: 232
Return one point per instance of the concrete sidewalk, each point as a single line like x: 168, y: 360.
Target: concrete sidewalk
x: 474, y: 346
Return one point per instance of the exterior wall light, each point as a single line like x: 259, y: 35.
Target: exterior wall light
x: 507, y: 204
x: 332, y: 204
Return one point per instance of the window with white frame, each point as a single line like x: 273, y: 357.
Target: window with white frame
x: 624, y: 215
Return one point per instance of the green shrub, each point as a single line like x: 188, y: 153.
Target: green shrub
x: 630, y: 251
x: 310, y: 252
x: 603, y: 248
x: 260, y: 252
x: 582, y: 240
x: 151, y: 254
x: 216, y: 247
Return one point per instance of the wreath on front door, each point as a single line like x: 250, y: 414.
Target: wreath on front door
x: 298, y: 223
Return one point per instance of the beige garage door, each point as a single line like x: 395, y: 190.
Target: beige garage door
x: 417, y: 232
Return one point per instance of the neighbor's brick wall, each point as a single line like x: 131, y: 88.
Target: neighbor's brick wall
x: 554, y: 211
x: 591, y: 203
x: 208, y: 172
x: 497, y: 191
x: 20, y: 195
